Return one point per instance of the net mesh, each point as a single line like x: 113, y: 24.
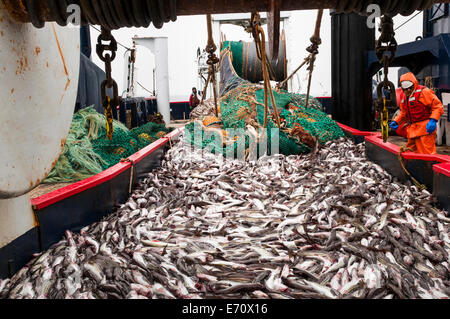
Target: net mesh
x: 88, y: 151
x: 242, y: 105
x: 236, y: 49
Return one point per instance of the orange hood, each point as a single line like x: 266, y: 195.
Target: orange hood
x: 410, y: 77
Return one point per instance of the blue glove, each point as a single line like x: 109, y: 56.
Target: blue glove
x: 431, y: 126
x: 394, y: 126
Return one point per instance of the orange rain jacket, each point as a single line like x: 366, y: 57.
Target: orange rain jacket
x: 401, y: 131
x: 433, y: 108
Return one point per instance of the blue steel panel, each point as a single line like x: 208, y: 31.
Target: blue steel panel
x: 433, y: 52
x: 442, y: 190
x: 18, y: 253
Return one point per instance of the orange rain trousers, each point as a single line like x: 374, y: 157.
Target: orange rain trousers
x: 425, y: 144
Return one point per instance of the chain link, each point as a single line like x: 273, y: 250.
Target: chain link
x: 212, y: 61
x: 316, y: 41
x: 386, y: 47
x: 107, y: 53
x: 260, y: 42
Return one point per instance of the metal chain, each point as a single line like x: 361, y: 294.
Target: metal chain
x: 107, y: 58
x: 212, y: 60
x: 260, y: 42
x: 384, y: 45
x: 314, y: 50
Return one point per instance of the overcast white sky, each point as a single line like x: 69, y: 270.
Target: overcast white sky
x: 189, y: 33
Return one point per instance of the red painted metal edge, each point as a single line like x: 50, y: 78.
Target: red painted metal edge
x: 175, y: 133
x: 323, y: 97
x: 379, y: 142
x: 442, y: 169
x: 425, y: 157
x: 354, y: 131
x: 78, y: 187
x: 407, y: 155
x: 146, y: 151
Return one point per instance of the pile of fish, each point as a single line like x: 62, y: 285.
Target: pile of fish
x: 204, y: 109
x: 325, y: 225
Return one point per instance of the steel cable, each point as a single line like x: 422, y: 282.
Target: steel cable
x: 394, y: 7
x: 99, y: 12
x: 410, y: 10
x: 351, y: 5
x: 56, y: 12
x: 163, y: 11
x: 138, y: 13
x: 117, y: 13
x: 35, y: 16
x: 173, y: 10
x: 120, y: 13
x: 89, y: 11
x: 108, y: 15
x: 128, y: 13
x: 111, y: 14
x: 426, y: 4
x: 154, y: 13
x: 114, y: 14
x: 361, y: 6
x: 388, y: 7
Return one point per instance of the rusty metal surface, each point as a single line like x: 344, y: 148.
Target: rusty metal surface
x: 192, y: 7
x: 18, y: 8
x: 273, y: 27
x: 38, y: 85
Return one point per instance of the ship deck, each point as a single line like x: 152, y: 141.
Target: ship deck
x: 401, y: 141
x: 43, y: 189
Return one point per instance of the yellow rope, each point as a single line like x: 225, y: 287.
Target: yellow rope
x: 384, y: 122
x: 400, y: 159
x: 109, y: 120
x: 260, y: 41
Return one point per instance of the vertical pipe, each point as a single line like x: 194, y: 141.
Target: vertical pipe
x: 351, y: 81
x: 159, y: 47
x: 16, y: 219
x: 123, y: 113
x: 85, y: 41
x: 162, y: 77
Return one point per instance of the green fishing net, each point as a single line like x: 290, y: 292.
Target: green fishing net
x: 236, y: 49
x: 242, y: 104
x: 88, y: 152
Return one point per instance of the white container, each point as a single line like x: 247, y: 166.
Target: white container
x: 38, y: 87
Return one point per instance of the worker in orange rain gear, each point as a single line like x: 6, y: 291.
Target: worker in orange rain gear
x: 421, y: 109
x: 401, y: 131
